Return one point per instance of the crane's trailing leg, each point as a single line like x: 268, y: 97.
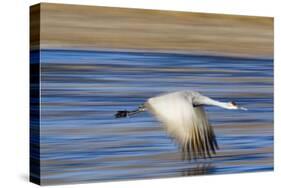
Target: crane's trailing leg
x: 126, y: 113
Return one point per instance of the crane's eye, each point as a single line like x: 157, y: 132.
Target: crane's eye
x: 233, y: 103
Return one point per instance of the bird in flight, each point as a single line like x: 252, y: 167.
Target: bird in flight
x: 183, y: 117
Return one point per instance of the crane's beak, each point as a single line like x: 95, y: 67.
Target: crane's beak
x: 243, y: 108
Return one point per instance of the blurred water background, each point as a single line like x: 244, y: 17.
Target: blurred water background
x: 81, y: 140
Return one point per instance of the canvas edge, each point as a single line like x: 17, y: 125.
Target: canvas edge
x: 34, y: 95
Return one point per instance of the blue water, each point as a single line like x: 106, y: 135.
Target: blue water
x: 81, y: 140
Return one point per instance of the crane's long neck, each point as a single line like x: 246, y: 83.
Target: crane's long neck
x: 213, y: 102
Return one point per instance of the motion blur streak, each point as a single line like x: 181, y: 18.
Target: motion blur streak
x: 81, y: 90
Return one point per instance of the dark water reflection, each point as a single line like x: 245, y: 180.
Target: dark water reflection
x: 81, y: 90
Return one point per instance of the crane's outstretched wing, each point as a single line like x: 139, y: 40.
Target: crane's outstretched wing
x: 184, y: 122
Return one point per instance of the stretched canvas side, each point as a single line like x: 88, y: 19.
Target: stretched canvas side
x: 34, y: 69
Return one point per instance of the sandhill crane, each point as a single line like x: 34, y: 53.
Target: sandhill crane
x: 183, y: 116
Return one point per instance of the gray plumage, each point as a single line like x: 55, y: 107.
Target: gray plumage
x: 183, y: 117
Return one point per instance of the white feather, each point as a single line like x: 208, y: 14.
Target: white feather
x: 183, y: 116
x: 184, y: 122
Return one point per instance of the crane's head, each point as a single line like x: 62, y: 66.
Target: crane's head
x: 233, y: 105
